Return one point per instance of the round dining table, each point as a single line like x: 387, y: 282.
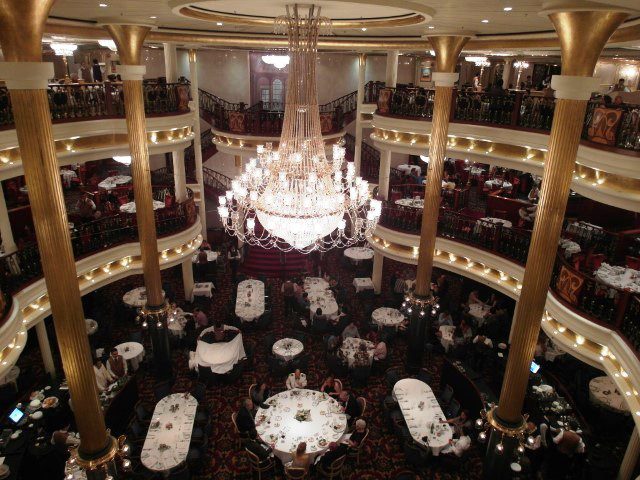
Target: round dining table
x: 287, y: 348
x: 409, y: 169
x: 387, y: 317
x: 137, y: 297
x: 110, y: 183
x: 410, y: 202
x: 358, y: 254
x: 351, y: 345
x: 130, y: 207
x: 604, y: 393
x: 498, y: 183
x: 619, y: 277
x: 132, y: 353
x: 300, y: 415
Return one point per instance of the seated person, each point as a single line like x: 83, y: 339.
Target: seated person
x: 319, y: 317
x: 380, y: 352
x: 103, y: 377
x: 303, y: 301
x: 361, y: 357
x: 333, y: 342
x: 351, y: 331
x: 116, y: 365
x: 62, y: 438
x: 350, y: 404
x: 301, y: 458
x: 259, y: 448
x: 296, y: 379
x: 459, y: 445
x: 567, y: 442
x: 528, y: 214
x: 459, y: 422
x: 445, y: 318
x: 358, y: 434
x: 244, y: 420
x: 331, y: 386
x: 335, y: 451
x: 474, y: 298
x: 200, y: 318
x: 260, y: 394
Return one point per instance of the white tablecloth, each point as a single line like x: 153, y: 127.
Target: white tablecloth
x: 287, y: 348
x: 351, y: 345
x: 570, y: 247
x: 136, y: 297
x: 387, y: 317
x: 477, y: 310
x: 359, y: 253
x: 362, y: 284
x: 222, y: 356
x: 67, y: 176
x: 498, y: 183
x: 408, y: 169
x: 176, y: 326
x: 178, y: 413
x: 583, y: 229
x: 250, y: 300
x: 446, y: 339
x: 505, y: 223
x: 475, y: 170
x: 211, y: 256
x: 131, y: 206
x: 325, y: 300
x: 603, y: 392
x: 132, y: 352
x: 315, y: 283
x: 203, y: 289
x: 619, y: 277
x: 92, y: 326
x: 112, y: 182
x: 413, y: 394
x: 410, y: 202
x: 278, y: 426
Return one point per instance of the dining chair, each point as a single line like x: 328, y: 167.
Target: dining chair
x: 295, y: 473
x: 256, y: 465
x: 251, y: 389
x: 362, y: 402
x: 239, y: 435
x: 334, y: 470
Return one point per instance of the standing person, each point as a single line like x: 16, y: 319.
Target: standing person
x: 84, y: 73
x: 116, y: 365
x: 289, y: 293
x: 103, y: 377
x: 234, y: 260
x: 96, y: 71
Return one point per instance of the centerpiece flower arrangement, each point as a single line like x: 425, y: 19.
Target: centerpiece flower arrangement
x: 303, y: 415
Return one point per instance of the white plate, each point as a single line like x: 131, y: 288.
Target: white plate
x: 37, y: 415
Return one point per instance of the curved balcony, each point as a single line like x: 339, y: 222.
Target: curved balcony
x: 595, y: 322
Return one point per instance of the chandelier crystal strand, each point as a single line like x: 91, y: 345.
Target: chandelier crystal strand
x: 295, y: 198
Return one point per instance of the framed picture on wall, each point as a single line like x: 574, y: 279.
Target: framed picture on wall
x: 425, y: 74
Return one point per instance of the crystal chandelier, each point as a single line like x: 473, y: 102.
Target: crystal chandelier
x: 295, y: 198
x: 278, y: 61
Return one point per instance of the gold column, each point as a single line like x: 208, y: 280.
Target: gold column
x: 21, y: 26
x: 129, y: 40
x: 447, y: 50
x: 583, y: 33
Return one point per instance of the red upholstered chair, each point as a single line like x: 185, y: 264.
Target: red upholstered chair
x: 578, y: 260
x: 500, y: 214
x: 594, y: 261
x: 632, y: 262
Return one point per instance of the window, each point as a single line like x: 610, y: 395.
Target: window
x: 276, y: 91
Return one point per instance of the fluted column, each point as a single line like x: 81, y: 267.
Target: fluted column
x: 179, y: 178
x: 21, y: 26
x: 197, y: 146
x: 506, y: 72
x: 391, y: 77
x: 129, y: 40
x: 630, y: 459
x: 170, y: 62
x: 447, y: 50
x: 8, y: 242
x: 583, y: 32
x: 45, y: 349
x: 376, y: 275
x: 384, y: 174
x: 357, y: 153
x: 187, y: 277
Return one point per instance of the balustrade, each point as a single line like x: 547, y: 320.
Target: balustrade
x: 84, y: 101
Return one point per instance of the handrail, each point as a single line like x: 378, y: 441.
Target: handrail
x: 22, y: 267
x: 215, y: 180
x: 83, y: 101
x: 518, y: 109
x: 609, y: 306
x: 206, y: 142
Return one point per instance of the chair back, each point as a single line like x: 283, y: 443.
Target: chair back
x: 234, y: 417
x: 251, y: 389
x: 336, y: 466
x: 447, y: 394
x: 254, y: 461
x: 363, y: 405
x: 295, y: 473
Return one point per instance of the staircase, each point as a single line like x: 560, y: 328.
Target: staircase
x: 274, y: 263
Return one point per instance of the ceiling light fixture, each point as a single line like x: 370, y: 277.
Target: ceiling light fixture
x: 103, y: 5
x: 153, y: 17
x: 123, y: 159
x: 507, y: 9
x: 278, y: 61
x: 364, y: 29
x: 110, y: 44
x: 485, y: 21
x: 431, y: 27
x: 219, y: 24
x: 295, y: 198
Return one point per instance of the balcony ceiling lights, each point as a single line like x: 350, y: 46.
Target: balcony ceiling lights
x: 296, y: 198
x: 110, y: 44
x: 123, y: 159
x: 278, y: 61
x: 63, y: 49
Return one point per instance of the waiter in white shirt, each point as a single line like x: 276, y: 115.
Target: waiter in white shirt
x: 459, y: 445
x: 296, y: 380
x: 103, y: 377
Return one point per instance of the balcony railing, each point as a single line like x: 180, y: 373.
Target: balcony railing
x: 265, y: 118
x: 85, y: 101
x: 614, y: 308
x: 23, y: 266
x: 613, y: 126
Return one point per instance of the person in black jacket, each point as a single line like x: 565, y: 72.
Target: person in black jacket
x: 258, y: 447
x: 336, y: 450
x: 244, y: 420
x: 350, y: 404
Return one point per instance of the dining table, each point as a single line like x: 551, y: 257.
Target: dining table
x: 67, y: 176
x: 569, y: 247
x: 478, y: 311
x: 619, y: 277
x: 250, y: 300
x: 351, y: 345
x: 409, y: 169
x: 130, y: 207
x: 300, y: 415
x: 220, y: 357
x: 363, y: 283
x: 202, y: 289
x: 584, y: 229
x: 604, y: 393
x: 357, y: 254
x: 167, y: 442
x: 136, y: 297
x: 387, y: 317
x: 410, y: 202
x: 132, y: 353
x: 422, y: 413
x: 496, y: 182
x: 315, y: 283
x: 324, y: 300
x: 211, y: 256
x: 287, y: 348
x: 114, y: 181
x: 495, y: 221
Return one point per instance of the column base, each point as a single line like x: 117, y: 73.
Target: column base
x: 505, y: 446
x: 419, y: 310
x: 156, y: 319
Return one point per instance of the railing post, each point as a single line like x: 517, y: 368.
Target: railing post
x: 515, y: 113
x: 108, y: 98
x: 621, y: 308
x: 497, y: 237
x: 454, y: 100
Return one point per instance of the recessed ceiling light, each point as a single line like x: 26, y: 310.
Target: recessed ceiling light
x: 153, y: 16
x: 219, y: 24
x: 507, y: 9
x: 364, y: 29
x: 103, y: 5
x: 431, y: 27
x: 485, y: 21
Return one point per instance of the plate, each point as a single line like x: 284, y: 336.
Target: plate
x: 50, y: 402
x: 16, y: 434
x: 37, y: 415
x: 516, y: 467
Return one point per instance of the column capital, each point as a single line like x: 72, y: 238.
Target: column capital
x: 583, y: 29
x: 447, y: 49
x: 26, y: 75
x: 571, y: 87
x: 21, y: 26
x: 129, y: 38
x: 444, y: 79
x: 131, y: 72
